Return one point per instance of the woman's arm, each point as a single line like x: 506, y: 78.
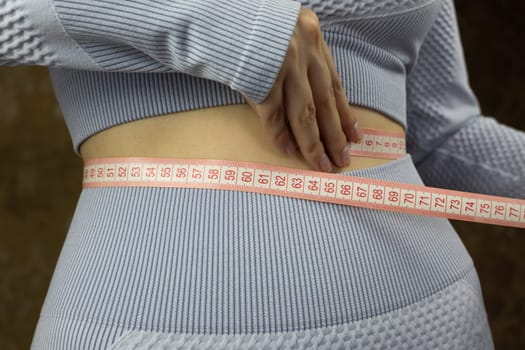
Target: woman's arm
x: 453, y: 145
x: 271, y: 51
x: 239, y: 43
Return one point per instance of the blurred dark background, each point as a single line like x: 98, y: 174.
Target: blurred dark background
x: 40, y: 179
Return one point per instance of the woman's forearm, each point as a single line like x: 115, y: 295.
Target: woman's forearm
x: 237, y: 43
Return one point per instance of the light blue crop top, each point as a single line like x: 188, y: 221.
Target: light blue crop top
x: 114, y: 61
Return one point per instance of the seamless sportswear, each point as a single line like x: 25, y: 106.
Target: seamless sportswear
x: 149, y: 268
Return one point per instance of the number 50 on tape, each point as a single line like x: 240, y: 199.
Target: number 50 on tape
x: 304, y: 184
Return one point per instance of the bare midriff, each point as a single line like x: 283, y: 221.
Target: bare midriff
x: 231, y: 132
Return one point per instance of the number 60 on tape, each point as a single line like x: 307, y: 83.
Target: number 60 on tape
x: 304, y: 184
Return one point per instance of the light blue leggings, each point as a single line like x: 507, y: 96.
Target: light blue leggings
x: 173, y: 268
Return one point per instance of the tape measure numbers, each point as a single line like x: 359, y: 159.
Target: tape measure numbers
x: 380, y: 144
x: 304, y: 184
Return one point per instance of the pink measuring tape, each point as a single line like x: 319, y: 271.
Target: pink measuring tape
x: 312, y: 185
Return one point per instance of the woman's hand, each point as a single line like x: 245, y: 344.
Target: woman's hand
x: 308, y: 99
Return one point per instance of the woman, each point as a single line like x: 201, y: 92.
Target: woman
x: 151, y: 267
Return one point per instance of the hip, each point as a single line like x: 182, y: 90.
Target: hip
x: 226, y: 261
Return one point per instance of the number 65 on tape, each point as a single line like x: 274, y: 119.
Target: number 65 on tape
x: 304, y: 184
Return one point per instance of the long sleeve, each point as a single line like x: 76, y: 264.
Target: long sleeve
x: 452, y: 144
x: 239, y: 43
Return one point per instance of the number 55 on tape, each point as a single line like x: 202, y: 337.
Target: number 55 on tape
x: 304, y: 184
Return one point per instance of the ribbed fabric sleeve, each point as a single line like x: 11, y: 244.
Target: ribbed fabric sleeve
x: 453, y: 145
x: 241, y: 44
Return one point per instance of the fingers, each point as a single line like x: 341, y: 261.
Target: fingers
x: 273, y: 119
x: 308, y: 95
x: 276, y: 126
x: 302, y: 115
x: 328, y: 119
x: 347, y: 118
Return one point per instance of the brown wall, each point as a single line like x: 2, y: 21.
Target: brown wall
x: 40, y: 180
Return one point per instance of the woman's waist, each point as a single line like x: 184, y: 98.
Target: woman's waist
x: 229, y: 132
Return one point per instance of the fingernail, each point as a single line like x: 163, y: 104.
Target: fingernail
x: 346, y: 154
x: 357, y: 131
x: 290, y: 149
x: 325, y: 163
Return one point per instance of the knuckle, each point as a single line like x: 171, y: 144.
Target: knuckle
x: 309, y: 16
x: 309, y: 23
x: 308, y: 115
